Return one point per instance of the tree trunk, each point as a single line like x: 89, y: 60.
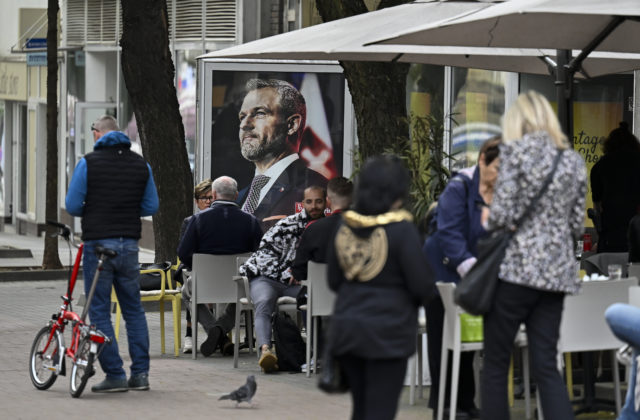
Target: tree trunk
x: 51, y: 260
x: 377, y: 89
x: 149, y: 76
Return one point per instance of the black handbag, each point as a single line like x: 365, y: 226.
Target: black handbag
x: 332, y: 380
x: 475, y: 291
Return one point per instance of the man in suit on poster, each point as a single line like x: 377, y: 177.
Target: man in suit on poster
x: 272, y: 119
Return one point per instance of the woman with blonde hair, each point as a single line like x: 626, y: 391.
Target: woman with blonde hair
x: 538, y: 269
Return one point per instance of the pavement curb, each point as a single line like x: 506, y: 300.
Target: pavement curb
x: 36, y: 275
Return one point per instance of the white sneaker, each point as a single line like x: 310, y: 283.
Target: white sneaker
x: 188, y: 345
x: 303, y: 368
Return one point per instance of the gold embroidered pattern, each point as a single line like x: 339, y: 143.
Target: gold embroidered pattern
x: 358, y: 220
x: 361, y: 259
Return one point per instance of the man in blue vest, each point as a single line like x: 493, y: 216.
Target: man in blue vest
x: 111, y: 188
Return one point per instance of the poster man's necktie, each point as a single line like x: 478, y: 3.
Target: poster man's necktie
x: 251, y: 202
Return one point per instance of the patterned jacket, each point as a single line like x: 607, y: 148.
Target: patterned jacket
x: 541, y: 254
x: 277, y: 249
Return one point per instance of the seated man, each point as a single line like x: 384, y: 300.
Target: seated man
x: 269, y: 269
x: 315, y: 239
x: 222, y: 229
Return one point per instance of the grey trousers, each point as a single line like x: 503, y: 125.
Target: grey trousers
x: 264, y: 294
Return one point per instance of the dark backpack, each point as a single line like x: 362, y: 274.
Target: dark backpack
x: 290, y: 348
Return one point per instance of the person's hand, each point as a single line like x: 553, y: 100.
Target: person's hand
x: 484, y: 217
x: 293, y: 281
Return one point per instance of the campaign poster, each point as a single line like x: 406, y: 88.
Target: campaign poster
x: 317, y: 138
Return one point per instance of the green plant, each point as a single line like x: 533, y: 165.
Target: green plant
x: 424, y: 156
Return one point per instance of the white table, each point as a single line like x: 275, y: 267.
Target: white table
x: 583, y: 327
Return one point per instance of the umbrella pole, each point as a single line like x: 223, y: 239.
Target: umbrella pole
x: 564, y: 92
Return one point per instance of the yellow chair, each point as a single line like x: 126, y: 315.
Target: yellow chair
x: 167, y: 292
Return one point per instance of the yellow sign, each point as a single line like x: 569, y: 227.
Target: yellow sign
x: 13, y: 81
x: 592, y: 123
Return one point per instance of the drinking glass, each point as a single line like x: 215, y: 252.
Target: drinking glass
x: 615, y: 271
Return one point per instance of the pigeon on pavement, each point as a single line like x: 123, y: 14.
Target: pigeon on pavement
x: 244, y: 393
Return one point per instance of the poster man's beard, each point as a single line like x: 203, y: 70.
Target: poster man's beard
x: 261, y: 150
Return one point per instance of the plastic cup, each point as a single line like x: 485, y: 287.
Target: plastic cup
x: 615, y: 271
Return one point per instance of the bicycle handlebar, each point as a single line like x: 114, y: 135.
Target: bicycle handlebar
x: 65, y: 231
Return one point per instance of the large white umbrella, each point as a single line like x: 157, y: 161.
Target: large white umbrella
x: 565, y: 25
x: 345, y: 39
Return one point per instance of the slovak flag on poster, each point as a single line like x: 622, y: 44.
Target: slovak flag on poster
x: 315, y: 147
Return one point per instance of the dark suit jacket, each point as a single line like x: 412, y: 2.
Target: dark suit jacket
x: 220, y: 230
x: 285, y: 192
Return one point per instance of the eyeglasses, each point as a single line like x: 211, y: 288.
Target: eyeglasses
x: 93, y: 128
x: 208, y: 198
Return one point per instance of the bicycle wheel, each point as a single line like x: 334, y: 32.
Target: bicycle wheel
x: 82, y: 368
x: 42, y: 364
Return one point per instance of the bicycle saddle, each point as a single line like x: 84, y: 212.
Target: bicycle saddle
x: 100, y: 250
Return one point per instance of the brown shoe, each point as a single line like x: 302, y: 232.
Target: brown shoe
x: 268, y: 361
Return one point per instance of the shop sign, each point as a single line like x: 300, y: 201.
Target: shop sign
x: 36, y: 43
x: 13, y: 81
x: 37, y: 59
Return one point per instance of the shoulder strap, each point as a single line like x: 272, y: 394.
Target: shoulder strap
x: 544, y: 187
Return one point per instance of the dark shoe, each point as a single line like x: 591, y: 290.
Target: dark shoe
x: 139, y: 382
x: 226, y: 347
x: 460, y: 415
x: 211, y: 343
x: 111, y: 385
x: 473, y: 412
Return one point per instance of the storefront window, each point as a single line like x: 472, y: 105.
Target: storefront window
x: 599, y: 106
x: 186, y: 90
x: 478, y: 102
x: 426, y: 91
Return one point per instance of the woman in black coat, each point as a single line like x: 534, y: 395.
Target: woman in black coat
x: 378, y: 271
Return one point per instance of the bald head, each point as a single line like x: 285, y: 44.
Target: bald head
x: 225, y: 188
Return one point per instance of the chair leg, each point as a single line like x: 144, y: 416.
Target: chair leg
x: 118, y: 317
x: 569, y: 372
x: 194, y: 323
x: 236, y: 331
x: 616, y: 381
x: 420, y: 367
x: 444, y: 359
x: 310, y: 330
x: 412, y: 375
x: 161, y: 303
x: 455, y: 374
x: 175, y: 307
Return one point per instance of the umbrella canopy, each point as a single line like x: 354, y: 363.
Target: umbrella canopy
x: 346, y: 39
x: 557, y: 24
x: 588, y: 25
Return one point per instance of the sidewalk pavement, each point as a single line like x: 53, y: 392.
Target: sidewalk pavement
x: 180, y: 387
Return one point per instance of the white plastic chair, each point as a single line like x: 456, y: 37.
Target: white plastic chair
x: 583, y: 327
x: 417, y: 374
x: 212, y: 282
x: 451, y: 340
x: 320, y: 300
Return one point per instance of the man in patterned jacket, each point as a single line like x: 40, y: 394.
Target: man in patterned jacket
x: 269, y: 268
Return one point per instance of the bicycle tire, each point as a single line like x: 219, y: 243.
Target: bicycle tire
x: 42, y: 366
x: 82, y: 368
